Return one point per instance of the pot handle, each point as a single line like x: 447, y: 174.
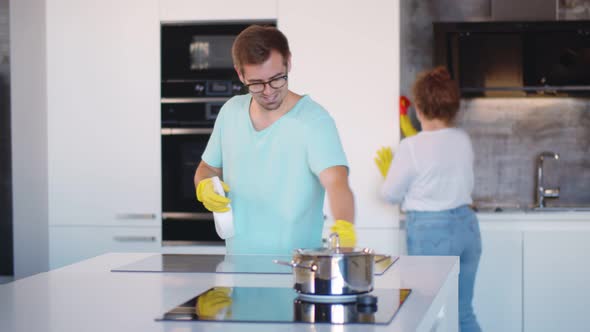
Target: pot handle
x: 311, y: 267
x: 382, y: 258
x: 334, y: 241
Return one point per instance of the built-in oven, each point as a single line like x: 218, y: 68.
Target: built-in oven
x: 186, y: 127
x: 198, y: 51
x: 197, y: 59
x: 197, y: 79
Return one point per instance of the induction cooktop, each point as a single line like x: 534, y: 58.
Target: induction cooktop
x: 285, y: 305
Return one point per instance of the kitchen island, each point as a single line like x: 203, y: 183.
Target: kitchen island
x: 87, y: 296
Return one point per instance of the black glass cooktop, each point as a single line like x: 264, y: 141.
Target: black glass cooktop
x: 259, y: 264
x: 285, y: 305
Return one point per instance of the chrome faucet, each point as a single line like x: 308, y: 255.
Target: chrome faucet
x: 541, y: 191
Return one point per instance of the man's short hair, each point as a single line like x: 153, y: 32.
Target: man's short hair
x: 254, y: 45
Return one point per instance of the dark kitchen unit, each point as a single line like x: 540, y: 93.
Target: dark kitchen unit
x: 6, y: 239
x: 197, y: 79
x: 6, y: 227
x: 516, y: 59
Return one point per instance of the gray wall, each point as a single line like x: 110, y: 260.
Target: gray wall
x: 507, y: 133
x: 6, y: 263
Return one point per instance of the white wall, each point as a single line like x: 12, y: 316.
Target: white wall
x: 29, y: 136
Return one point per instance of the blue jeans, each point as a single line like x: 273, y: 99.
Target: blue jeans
x: 452, y: 232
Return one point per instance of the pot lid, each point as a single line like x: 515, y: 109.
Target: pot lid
x: 330, y: 252
x: 334, y: 249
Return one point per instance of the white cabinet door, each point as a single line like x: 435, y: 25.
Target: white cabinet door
x: 71, y: 244
x: 226, y: 10
x: 385, y: 241
x: 556, y: 280
x: 103, y: 112
x: 498, y: 285
x: 346, y: 57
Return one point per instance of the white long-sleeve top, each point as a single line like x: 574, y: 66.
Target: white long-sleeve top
x: 431, y: 171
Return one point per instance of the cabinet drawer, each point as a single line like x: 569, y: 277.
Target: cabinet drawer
x: 70, y: 244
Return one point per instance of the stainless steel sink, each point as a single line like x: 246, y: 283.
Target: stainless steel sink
x: 499, y: 209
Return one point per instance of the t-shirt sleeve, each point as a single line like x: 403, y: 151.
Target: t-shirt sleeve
x: 212, y: 154
x: 324, y: 148
x: 400, y: 175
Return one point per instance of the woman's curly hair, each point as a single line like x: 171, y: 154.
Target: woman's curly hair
x: 436, y: 95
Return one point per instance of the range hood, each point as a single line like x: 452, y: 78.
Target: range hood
x: 524, y: 10
x: 516, y: 58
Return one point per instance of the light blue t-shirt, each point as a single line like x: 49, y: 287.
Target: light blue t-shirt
x: 273, y: 174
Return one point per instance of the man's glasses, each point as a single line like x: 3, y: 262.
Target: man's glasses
x: 275, y: 83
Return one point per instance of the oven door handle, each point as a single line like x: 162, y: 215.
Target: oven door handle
x: 186, y: 131
x: 187, y: 216
x: 198, y: 100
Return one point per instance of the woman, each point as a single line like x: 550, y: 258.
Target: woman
x: 432, y: 177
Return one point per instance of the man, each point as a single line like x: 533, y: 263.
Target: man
x: 277, y: 153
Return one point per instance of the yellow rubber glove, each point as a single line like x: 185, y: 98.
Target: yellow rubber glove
x: 346, y: 233
x: 213, y: 302
x: 210, y: 199
x: 406, y: 126
x: 383, y: 160
x: 405, y: 122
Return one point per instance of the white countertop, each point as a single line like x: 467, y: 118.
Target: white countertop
x: 88, y: 297
x: 535, y: 221
x: 525, y: 220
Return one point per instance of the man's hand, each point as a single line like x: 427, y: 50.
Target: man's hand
x: 383, y: 160
x: 211, y: 200
x: 213, y: 302
x: 346, y: 233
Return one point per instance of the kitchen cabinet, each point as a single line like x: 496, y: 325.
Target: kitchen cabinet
x: 71, y: 244
x: 386, y: 241
x: 103, y: 113
x: 498, y: 286
x: 532, y: 274
x: 556, y: 275
x: 227, y: 10
x: 103, y: 128
x: 383, y: 240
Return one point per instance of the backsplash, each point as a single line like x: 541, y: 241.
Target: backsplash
x: 508, y: 135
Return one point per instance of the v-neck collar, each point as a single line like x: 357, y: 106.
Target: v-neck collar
x: 274, y: 124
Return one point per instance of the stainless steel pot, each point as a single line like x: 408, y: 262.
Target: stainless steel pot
x: 333, y: 270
